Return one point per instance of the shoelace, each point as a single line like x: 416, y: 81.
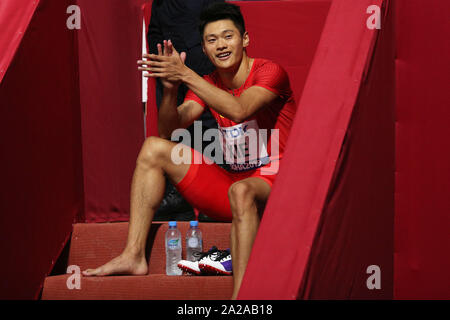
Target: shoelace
x: 222, y: 255
x: 200, y: 255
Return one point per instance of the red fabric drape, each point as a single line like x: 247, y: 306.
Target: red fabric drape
x: 41, y: 175
x: 422, y: 217
x: 14, y: 19
x: 356, y: 227
x: 317, y: 223
x: 110, y: 43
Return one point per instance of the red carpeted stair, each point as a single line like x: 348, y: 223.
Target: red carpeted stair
x: 95, y: 244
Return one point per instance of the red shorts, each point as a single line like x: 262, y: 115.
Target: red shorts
x: 205, y: 187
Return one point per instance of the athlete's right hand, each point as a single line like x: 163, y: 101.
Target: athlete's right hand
x: 167, y: 51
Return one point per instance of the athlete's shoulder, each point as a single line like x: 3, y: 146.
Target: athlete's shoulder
x: 268, y: 65
x: 269, y: 72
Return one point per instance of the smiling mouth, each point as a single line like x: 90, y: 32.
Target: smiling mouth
x: 223, y: 56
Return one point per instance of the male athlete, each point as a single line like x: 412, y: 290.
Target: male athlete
x: 241, y: 93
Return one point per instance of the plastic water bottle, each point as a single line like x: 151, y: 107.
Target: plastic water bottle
x: 173, y: 250
x: 194, y: 242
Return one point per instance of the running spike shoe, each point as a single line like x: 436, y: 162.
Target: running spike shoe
x: 192, y: 267
x: 219, y: 264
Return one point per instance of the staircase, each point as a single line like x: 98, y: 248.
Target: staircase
x: 95, y: 244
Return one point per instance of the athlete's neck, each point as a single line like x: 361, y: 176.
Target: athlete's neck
x: 235, y: 78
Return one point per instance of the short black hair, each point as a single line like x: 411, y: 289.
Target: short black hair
x: 222, y: 11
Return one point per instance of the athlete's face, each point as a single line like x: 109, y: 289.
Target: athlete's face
x: 223, y: 44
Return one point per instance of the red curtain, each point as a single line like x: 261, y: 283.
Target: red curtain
x: 110, y: 43
x: 422, y: 219
x: 14, y: 19
x: 330, y: 214
x: 40, y: 137
x: 355, y: 230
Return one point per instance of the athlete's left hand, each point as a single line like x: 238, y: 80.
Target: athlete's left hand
x: 169, y: 65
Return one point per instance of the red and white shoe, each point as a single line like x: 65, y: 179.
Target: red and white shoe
x: 219, y: 264
x: 192, y: 267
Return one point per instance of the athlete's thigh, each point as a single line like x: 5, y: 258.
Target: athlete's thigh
x: 205, y: 187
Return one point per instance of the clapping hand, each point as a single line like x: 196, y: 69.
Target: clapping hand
x: 168, y: 65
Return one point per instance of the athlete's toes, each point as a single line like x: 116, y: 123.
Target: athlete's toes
x: 92, y: 272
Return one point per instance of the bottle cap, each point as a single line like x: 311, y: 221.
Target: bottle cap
x: 172, y: 223
x: 194, y: 223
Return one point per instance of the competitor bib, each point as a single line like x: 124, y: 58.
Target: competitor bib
x: 244, y: 146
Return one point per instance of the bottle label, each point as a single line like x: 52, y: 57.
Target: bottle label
x: 173, y: 243
x: 192, y: 242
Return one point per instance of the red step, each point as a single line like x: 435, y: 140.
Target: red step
x: 95, y: 244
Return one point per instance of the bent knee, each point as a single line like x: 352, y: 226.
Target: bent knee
x: 154, y: 149
x: 239, y: 190
x: 241, y: 197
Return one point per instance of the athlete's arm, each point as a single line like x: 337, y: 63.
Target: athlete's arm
x: 234, y: 108
x: 171, y: 117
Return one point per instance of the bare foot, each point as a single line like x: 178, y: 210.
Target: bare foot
x: 123, y: 264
